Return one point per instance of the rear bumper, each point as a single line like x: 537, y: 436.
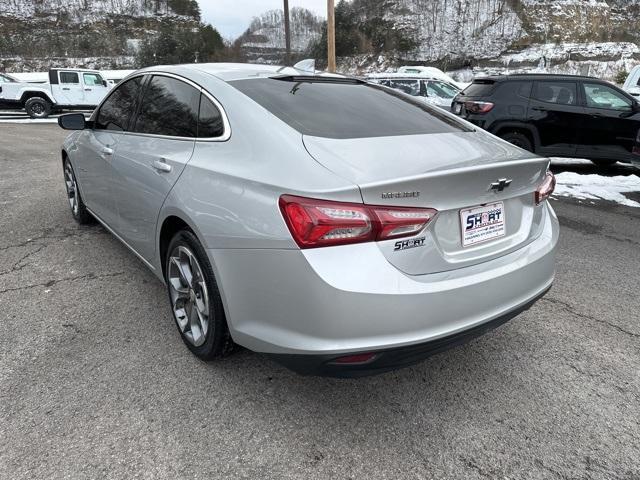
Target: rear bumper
x: 395, y: 358
x: 340, y: 300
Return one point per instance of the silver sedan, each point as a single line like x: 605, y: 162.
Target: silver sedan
x: 341, y: 227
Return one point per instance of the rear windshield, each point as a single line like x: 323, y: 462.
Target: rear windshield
x: 479, y: 88
x: 345, y: 109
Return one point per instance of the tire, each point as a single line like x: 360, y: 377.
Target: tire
x: 196, y: 303
x: 78, y: 208
x: 604, y: 163
x: 38, y: 107
x: 519, y: 140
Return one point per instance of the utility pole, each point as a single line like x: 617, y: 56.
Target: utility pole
x: 287, y: 33
x: 331, y: 36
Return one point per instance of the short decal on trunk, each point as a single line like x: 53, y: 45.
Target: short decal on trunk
x: 413, y: 243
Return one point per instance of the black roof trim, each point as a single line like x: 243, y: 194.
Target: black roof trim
x: 535, y: 76
x: 319, y: 79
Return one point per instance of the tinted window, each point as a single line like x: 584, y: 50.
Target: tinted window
x: 69, y: 77
x: 479, y: 88
x: 345, y: 109
x: 169, y: 107
x: 601, y: 96
x: 561, y: 93
x: 92, y: 79
x: 521, y: 89
x: 210, y: 124
x: 410, y: 87
x: 118, y: 108
x: 441, y: 89
x: 4, y: 79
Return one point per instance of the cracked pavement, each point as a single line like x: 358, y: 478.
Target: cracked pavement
x: 96, y: 383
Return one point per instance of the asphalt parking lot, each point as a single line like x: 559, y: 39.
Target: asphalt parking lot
x: 96, y: 383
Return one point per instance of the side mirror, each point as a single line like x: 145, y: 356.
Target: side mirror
x: 72, y: 121
x: 104, y: 83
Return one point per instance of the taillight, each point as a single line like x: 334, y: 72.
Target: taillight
x: 478, y: 107
x: 321, y: 223
x: 547, y: 187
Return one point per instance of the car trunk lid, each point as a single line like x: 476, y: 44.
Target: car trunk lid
x: 452, y: 173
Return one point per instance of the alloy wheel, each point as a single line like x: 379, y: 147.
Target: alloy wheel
x: 72, y: 188
x: 189, y: 295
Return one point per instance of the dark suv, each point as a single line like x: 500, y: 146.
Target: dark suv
x: 556, y: 115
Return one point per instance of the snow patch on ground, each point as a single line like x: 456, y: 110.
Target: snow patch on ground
x: 597, y: 187
x: 558, y: 161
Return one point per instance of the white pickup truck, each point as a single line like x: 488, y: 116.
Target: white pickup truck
x: 67, y: 89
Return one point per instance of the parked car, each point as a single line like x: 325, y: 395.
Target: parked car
x: 431, y: 72
x: 632, y: 84
x: 68, y: 89
x: 334, y: 225
x: 556, y: 115
x: 433, y: 91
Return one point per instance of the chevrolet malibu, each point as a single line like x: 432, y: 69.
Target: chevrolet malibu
x: 340, y: 227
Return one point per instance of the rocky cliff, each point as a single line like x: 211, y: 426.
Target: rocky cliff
x: 597, y: 37
x: 39, y: 34
x: 264, y: 40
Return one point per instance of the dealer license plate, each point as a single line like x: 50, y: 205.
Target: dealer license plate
x: 482, y: 224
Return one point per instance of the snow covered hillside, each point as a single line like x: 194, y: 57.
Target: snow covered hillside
x: 598, y: 37
x: 264, y: 40
x: 39, y: 34
x: 81, y: 11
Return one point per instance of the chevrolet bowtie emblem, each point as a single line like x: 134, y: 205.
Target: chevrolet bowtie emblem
x: 500, y: 185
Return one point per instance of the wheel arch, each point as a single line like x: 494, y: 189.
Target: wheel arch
x: 519, y: 127
x: 28, y: 94
x: 172, y: 221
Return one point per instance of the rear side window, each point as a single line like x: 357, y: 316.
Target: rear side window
x: 479, y: 88
x: 169, y: 107
x: 119, y: 106
x: 561, y: 93
x: 520, y: 89
x: 210, y: 123
x: 346, y: 109
x: 69, y: 77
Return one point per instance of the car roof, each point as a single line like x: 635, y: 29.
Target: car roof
x: 396, y: 76
x: 84, y: 70
x: 229, y: 72
x: 534, y: 76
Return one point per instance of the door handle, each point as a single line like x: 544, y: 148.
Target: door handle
x: 65, y: 88
x: 161, y: 165
x: 87, y: 90
x: 539, y: 109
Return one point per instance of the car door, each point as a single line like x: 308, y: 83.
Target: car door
x: 149, y: 160
x: 556, y: 114
x: 94, y: 88
x: 69, y: 90
x: 611, y: 123
x: 96, y: 148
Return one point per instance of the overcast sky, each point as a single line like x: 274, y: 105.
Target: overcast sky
x: 232, y: 17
